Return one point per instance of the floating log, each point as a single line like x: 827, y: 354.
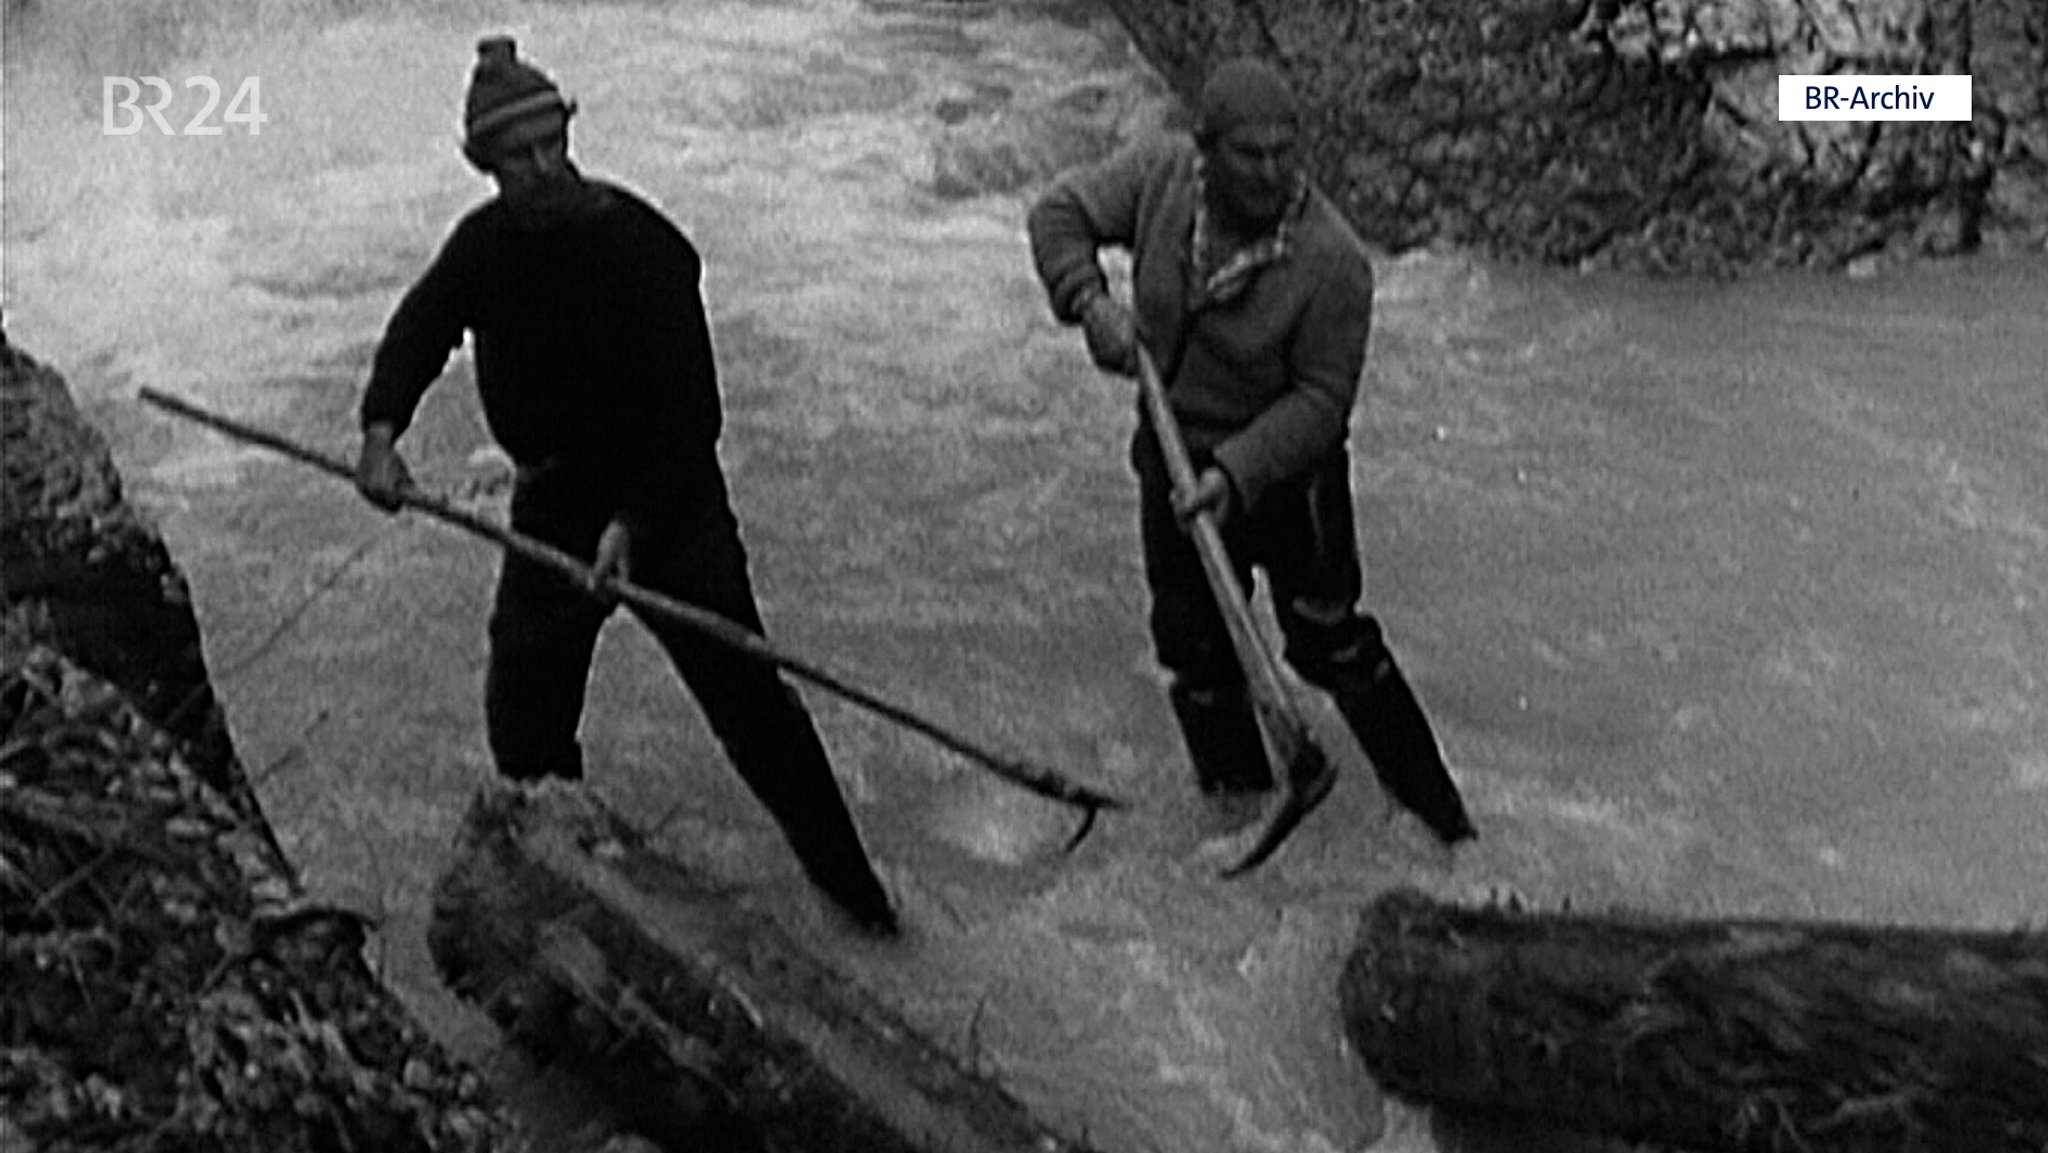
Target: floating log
x: 1754, y: 1035
x: 702, y: 1024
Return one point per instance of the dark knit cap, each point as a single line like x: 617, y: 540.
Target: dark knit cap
x: 1242, y: 92
x: 504, y: 88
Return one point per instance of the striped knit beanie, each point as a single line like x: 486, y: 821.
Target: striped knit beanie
x: 503, y: 89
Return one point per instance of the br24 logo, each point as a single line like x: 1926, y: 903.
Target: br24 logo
x: 245, y: 108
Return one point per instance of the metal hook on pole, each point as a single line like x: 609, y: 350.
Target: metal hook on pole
x: 1040, y: 779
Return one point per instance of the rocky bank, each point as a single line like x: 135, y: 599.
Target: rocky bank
x: 169, y: 984
x: 1644, y: 133
x: 82, y: 572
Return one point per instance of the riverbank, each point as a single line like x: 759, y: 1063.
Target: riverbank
x: 1725, y: 598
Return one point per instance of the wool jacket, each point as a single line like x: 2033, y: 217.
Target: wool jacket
x: 593, y: 353
x: 1266, y: 380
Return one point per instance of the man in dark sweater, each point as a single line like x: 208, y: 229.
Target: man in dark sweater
x: 1254, y: 298
x: 594, y: 366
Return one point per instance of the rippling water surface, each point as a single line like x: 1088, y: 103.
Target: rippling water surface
x: 1726, y: 597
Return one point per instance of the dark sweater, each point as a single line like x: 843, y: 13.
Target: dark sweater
x: 593, y: 353
x: 1268, y: 380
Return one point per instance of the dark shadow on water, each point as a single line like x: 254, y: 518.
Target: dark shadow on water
x: 1478, y: 1131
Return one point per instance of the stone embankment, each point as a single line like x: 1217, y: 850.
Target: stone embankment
x: 1644, y: 133
x: 82, y: 573
x: 168, y: 983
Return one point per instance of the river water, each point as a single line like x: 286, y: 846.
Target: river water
x: 1727, y: 597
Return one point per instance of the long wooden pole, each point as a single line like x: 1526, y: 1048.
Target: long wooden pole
x: 1044, y: 781
x: 1305, y: 775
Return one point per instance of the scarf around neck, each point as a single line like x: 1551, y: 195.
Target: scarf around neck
x: 1225, y: 277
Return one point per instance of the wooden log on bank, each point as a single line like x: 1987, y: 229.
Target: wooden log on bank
x: 704, y: 1025
x: 1776, y: 1036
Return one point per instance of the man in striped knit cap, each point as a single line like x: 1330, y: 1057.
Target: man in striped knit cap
x: 594, y: 365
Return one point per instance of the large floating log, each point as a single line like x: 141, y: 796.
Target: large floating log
x: 1776, y: 1036
x: 704, y: 1024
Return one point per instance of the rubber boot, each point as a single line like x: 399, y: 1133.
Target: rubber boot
x: 528, y: 770
x: 1223, y: 743
x: 837, y: 865
x: 784, y: 765
x: 1390, y: 726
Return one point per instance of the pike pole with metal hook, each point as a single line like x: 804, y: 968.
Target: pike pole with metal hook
x: 1305, y: 774
x: 1042, y: 780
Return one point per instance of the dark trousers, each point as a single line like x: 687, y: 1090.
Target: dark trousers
x: 544, y: 630
x: 1303, y: 536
